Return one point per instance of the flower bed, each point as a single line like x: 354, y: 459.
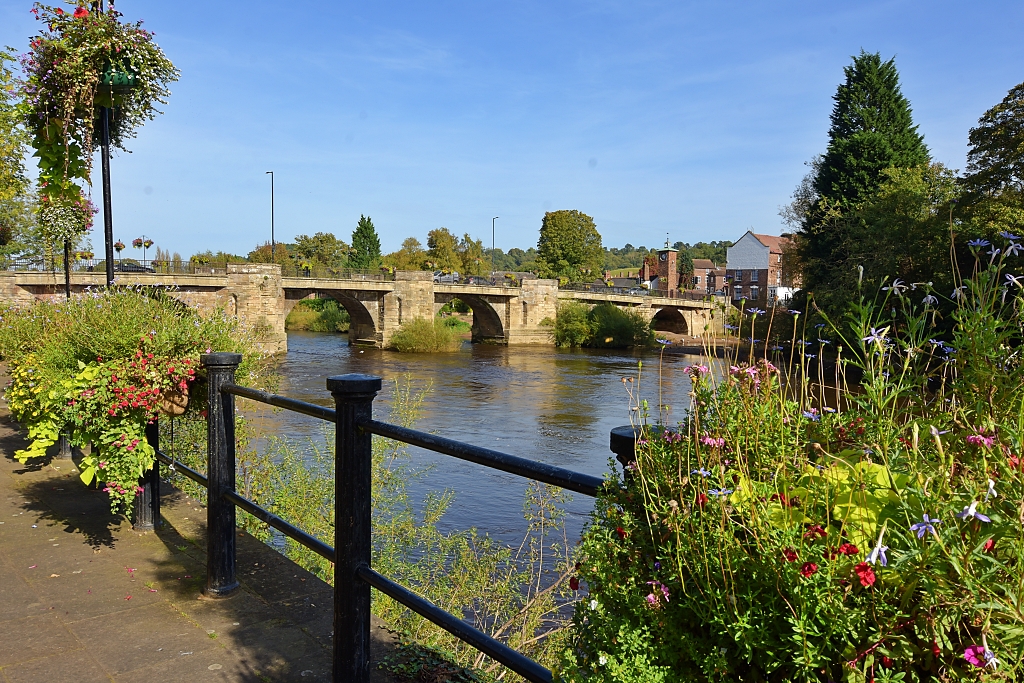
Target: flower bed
x: 873, y: 535
x: 99, y: 368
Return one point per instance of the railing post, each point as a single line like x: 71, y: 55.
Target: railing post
x: 220, y: 471
x: 353, y: 400
x: 147, y: 502
x: 623, y: 445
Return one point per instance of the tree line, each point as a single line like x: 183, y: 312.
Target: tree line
x: 875, y: 206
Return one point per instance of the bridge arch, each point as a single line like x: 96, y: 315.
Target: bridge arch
x: 363, y: 326
x: 670, y: 319
x: 488, y: 325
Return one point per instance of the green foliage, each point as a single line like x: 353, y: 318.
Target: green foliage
x: 774, y: 536
x: 443, y: 251
x: 569, y: 246
x: 460, y: 326
x: 261, y: 254
x: 318, y: 315
x: 456, y: 306
x: 15, y: 198
x: 995, y: 161
x: 63, y: 94
x: 365, y: 245
x: 99, y: 367
x: 410, y: 257
x: 516, y: 260
x: 603, y: 326
x: 872, y: 130
x: 322, y: 249
x: 425, y: 336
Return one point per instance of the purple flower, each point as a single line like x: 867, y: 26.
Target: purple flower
x: 978, y: 243
x: 719, y: 492
x: 926, y: 525
x: 970, y: 512
x: 664, y: 342
x: 877, y: 335
x: 1008, y: 235
x: 701, y: 471
x: 812, y: 415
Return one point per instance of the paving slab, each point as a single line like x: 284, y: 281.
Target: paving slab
x: 84, y: 597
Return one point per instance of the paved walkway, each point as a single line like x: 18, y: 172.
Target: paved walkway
x: 85, y: 598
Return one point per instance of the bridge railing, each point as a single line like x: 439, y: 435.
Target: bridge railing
x: 318, y: 271
x: 121, y: 265
x: 354, y: 575
x: 595, y: 288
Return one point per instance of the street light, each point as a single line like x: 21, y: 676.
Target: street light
x: 492, y: 242
x: 273, y: 247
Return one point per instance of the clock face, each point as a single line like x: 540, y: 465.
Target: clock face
x: 663, y: 256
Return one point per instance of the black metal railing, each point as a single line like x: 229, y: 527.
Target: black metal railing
x: 352, y: 416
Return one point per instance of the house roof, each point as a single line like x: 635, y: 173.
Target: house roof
x: 773, y: 242
x: 703, y: 264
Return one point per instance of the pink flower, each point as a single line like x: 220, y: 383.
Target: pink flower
x: 654, y: 599
x: 866, y: 574
x: 713, y: 442
x: 975, y: 654
x: 698, y: 369
x: 980, y: 439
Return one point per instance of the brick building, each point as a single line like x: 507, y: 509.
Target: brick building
x: 755, y: 270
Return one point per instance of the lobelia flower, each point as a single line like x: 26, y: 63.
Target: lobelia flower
x: 877, y: 335
x: 719, y: 492
x: 991, y: 493
x: 926, y: 525
x: 970, y: 512
x: 877, y: 554
x: 929, y: 300
x: 1015, y: 279
x: 702, y: 472
x: 1008, y: 235
x: 978, y: 243
x: 812, y: 415
x: 1013, y: 249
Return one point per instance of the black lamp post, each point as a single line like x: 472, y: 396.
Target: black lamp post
x: 273, y: 246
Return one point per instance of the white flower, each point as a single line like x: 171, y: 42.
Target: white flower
x: 602, y: 660
x: 991, y: 493
x: 594, y: 604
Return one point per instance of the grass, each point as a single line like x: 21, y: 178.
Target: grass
x: 318, y: 315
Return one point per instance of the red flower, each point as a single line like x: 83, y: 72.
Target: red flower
x: 81, y: 12
x: 702, y: 499
x: 621, y: 532
x: 574, y: 583
x: 815, y: 532
x: 886, y: 661
x: 60, y: 11
x: 989, y: 544
x: 789, y: 554
x: 866, y: 574
x: 848, y: 549
x: 935, y: 648
x: 808, y: 569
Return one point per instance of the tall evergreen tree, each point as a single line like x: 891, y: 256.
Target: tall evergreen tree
x: 365, y: 245
x: 871, y: 130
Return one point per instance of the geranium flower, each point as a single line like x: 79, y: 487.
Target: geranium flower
x: 808, y: 569
x: 790, y: 555
x: 81, y: 12
x: 866, y: 574
x: 980, y: 656
x: 981, y: 439
x: 815, y: 531
x: 925, y: 526
x: 848, y: 549
x: 989, y: 544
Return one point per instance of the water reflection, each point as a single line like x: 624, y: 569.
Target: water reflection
x: 552, y: 405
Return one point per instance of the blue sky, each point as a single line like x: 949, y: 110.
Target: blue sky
x: 692, y: 119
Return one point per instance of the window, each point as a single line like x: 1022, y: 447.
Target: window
x: 755, y: 291
x: 737, y: 292
x: 739, y: 276
x: 753, y: 276
x: 696, y: 279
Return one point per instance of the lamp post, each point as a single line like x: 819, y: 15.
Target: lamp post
x: 273, y: 246
x: 492, y: 243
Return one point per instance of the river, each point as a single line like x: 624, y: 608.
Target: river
x: 552, y: 405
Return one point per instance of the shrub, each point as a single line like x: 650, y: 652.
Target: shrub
x: 460, y: 326
x: 98, y: 368
x: 425, y: 336
x: 603, y: 326
x: 318, y: 315
x: 770, y: 536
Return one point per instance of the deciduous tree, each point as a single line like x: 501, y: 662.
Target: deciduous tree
x: 569, y: 246
x: 443, y: 250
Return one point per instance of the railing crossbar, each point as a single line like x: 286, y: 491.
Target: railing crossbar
x: 586, y: 484
x: 496, y: 650
x: 291, y: 531
x: 183, y: 469
x: 292, y: 404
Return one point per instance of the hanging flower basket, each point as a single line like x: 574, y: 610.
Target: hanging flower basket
x: 173, y: 402
x: 118, y: 81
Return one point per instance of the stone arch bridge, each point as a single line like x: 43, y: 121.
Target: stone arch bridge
x: 258, y: 294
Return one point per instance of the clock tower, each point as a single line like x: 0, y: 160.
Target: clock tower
x: 664, y: 268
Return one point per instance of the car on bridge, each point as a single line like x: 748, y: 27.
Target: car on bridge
x: 446, y: 278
